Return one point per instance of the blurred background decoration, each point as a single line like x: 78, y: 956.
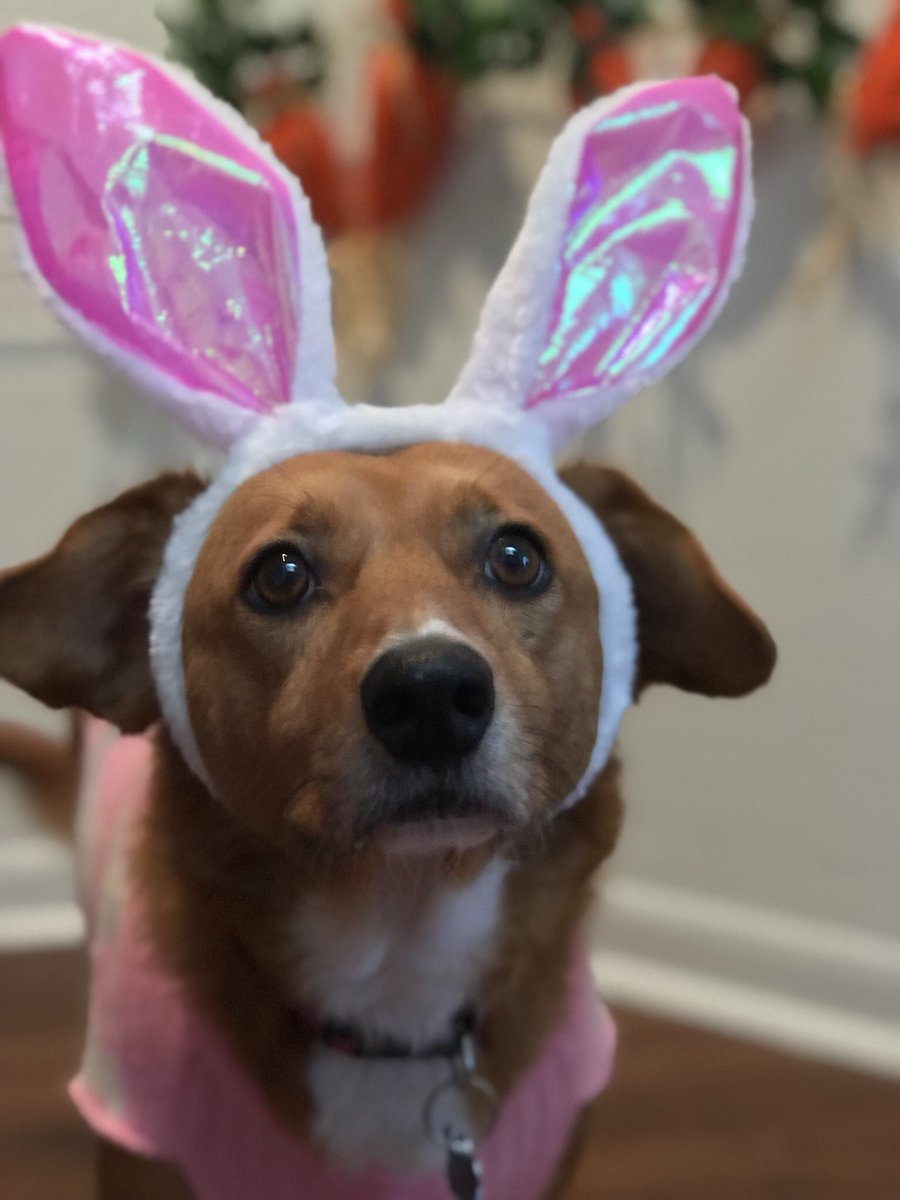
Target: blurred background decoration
x: 359, y: 99
x: 874, y: 111
x: 751, y: 43
x: 756, y: 883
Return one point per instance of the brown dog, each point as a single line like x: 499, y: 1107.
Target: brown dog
x: 395, y: 672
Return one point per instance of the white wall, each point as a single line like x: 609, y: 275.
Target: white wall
x: 756, y: 885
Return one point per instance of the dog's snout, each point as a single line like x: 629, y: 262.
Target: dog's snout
x: 430, y: 701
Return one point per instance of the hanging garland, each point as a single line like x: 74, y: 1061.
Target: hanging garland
x: 431, y: 47
x: 748, y: 43
x: 277, y: 80
x: 223, y: 51
x: 471, y: 37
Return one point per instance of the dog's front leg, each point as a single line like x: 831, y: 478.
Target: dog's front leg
x: 125, y: 1176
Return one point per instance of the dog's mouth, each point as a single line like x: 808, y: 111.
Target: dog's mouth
x: 441, y: 818
x: 437, y: 835
x: 441, y: 804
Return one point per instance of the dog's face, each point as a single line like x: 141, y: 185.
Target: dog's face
x: 400, y: 647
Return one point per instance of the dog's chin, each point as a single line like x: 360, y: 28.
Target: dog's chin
x: 437, y: 835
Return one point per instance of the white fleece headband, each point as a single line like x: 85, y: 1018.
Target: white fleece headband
x: 167, y: 234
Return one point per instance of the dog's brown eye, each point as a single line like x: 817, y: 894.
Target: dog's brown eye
x: 278, y: 580
x: 515, y: 561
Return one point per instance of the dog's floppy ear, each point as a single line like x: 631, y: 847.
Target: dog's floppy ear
x: 693, y: 631
x: 74, y: 628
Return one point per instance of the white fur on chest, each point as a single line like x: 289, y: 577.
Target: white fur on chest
x: 403, y: 970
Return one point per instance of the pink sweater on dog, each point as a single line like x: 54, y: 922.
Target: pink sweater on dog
x: 159, y: 1080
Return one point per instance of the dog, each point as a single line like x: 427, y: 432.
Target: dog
x: 395, y: 712
x: 370, y: 677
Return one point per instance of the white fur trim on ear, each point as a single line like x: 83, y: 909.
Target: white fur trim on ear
x: 512, y: 331
x: 216, y: 420
x: 330, y: 426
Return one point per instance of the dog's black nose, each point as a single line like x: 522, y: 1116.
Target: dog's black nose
x: 430, y: 701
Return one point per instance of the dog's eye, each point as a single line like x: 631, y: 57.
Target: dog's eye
x: 515, y: 561
x: 278, y: 580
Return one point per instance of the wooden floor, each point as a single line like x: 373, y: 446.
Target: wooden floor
x: 690, y: 1116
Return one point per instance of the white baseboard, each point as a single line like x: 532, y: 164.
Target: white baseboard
x: 40, y: 927
x: 813, y: 987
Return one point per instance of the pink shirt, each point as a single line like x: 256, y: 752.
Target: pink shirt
x: 159, y: 1080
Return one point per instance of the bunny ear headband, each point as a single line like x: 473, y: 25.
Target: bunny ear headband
x: 169, y: 237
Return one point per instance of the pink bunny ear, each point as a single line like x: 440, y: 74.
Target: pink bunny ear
x: 163, y: 230
x: 634, y: 234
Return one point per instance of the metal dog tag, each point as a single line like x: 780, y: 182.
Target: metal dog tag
x: 459, y: 1113
x: 461, y: 1108
x: 464, y: 1169
x: 449, y: 1117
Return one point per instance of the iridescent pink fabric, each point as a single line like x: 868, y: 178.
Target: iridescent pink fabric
x: 158, y: 224
x: 650, y: 242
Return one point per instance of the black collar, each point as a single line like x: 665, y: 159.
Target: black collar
x: 349, y: 1039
